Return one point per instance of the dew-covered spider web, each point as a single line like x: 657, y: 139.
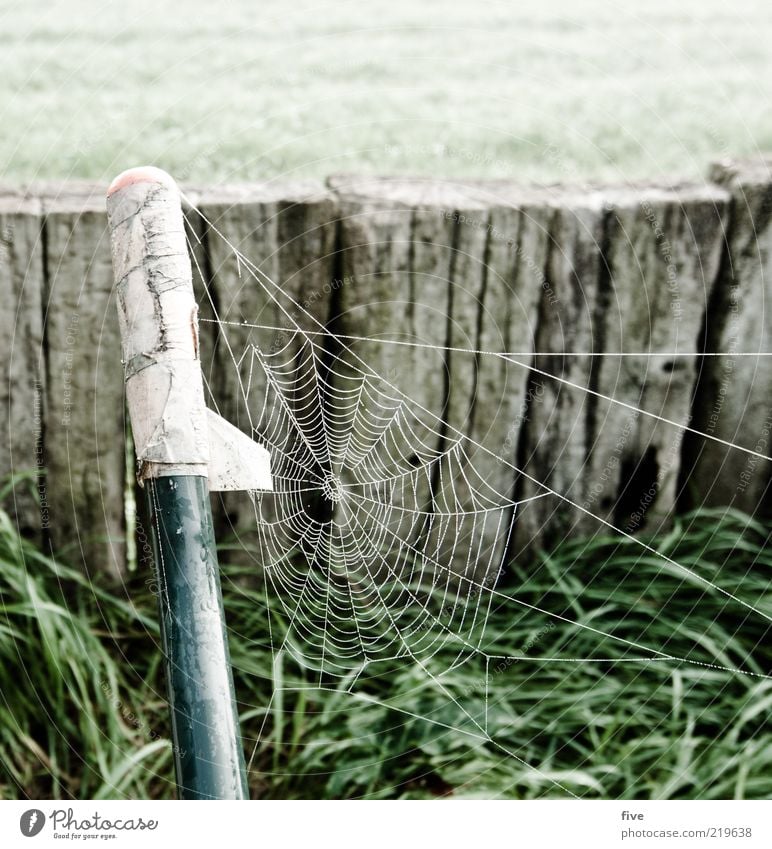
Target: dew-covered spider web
x: 387, y: 535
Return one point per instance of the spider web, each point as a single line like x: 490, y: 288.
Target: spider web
x: 382, y: 541
x: 396, y: 537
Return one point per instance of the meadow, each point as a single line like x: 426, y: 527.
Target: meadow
x: 536, y: 91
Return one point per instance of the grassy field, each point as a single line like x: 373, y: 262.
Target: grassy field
x: 547, y: 91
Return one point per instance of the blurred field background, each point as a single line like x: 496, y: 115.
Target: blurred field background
x: 545, y: 91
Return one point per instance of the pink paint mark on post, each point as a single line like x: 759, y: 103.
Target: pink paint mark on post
x: 141, y: 174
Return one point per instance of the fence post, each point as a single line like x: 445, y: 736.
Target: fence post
x: 164, y: 388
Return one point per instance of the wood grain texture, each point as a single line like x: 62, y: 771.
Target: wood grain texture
x: 663, y: 253
x: 288, y: 232
x: 552, y: 448
x: 459, y: 270
x: 733, y: 399
x: 632, y: 273
x: 85, y: 422
x: 22, y: 361
x: 396, y: 257
x: 447, y: 271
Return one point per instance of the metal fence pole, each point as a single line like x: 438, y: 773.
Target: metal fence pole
x: 164, y: 388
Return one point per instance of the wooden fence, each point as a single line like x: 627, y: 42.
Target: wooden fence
x: 565, y: 278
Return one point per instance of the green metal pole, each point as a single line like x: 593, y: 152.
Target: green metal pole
x: 180, y: 460
x: 207, y: 746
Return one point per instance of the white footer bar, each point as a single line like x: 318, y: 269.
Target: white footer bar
x: 444, y: 824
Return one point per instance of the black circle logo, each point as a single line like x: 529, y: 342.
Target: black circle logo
x: 32, y: 822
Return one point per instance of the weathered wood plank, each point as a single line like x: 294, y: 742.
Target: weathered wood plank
x: 396, y: 255
x: 22, y: 389
x: 734, y: 396
x: 85, y: 423
x: 637, y: 275
x: 664, y: 249
x: 552, y: 452
x: 288, y: 232
x: 452, y: 270
x: 495, y: 307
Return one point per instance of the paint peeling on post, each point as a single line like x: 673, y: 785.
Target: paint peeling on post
x: 183, y: 452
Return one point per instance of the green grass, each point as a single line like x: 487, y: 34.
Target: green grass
x: 66, y: 651
x: 82, y: 711
x: 547, y: 90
